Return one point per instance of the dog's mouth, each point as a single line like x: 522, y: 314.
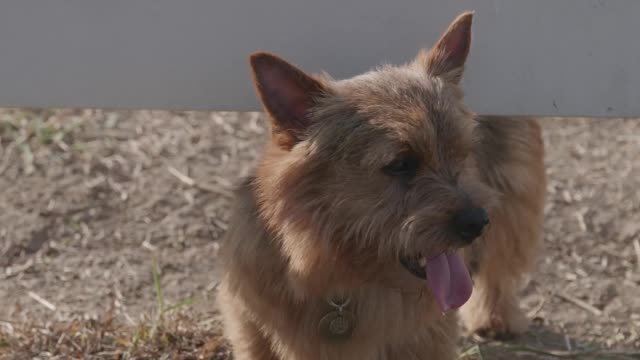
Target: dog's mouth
x: 446, y: 275
x: 416, y: 265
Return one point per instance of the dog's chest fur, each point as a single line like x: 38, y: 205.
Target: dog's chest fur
x: 389, y: 324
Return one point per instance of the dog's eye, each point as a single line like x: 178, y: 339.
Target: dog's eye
x: 404, y: 166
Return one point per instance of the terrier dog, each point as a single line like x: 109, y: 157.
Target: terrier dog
x: 352, y: 238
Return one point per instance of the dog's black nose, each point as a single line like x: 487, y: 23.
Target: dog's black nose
x: 470, y: 222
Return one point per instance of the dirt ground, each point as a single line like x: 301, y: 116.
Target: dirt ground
x: 96, y: 205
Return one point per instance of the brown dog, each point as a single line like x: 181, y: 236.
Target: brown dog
x: 347, y: 242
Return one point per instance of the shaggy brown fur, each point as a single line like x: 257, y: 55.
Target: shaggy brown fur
x: 360, y: 173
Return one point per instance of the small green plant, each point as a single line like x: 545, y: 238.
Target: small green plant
x: 149, y: 331
x: 161, y: 307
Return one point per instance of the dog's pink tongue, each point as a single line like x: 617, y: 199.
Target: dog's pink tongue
x: 448, y: 280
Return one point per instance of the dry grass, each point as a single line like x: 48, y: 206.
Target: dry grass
x: 168, y: 332
x: 180, y: 336
x: 103, y: 338
x: 109, y: 223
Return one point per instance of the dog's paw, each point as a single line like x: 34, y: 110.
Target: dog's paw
x: 501, y: 327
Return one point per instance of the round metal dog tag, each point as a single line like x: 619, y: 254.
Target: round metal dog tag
x: 337, y: 325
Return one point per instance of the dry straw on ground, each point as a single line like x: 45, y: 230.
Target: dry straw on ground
x: 95, y: 203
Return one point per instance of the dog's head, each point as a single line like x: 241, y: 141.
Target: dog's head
x: 374, y: 175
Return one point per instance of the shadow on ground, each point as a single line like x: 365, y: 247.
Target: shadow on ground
x: 541, y: 343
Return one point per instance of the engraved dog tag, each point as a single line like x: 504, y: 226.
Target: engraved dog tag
x: 337, y: 325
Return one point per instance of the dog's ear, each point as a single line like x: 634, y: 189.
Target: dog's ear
x: 447, y: 58
x: 287, y: 94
